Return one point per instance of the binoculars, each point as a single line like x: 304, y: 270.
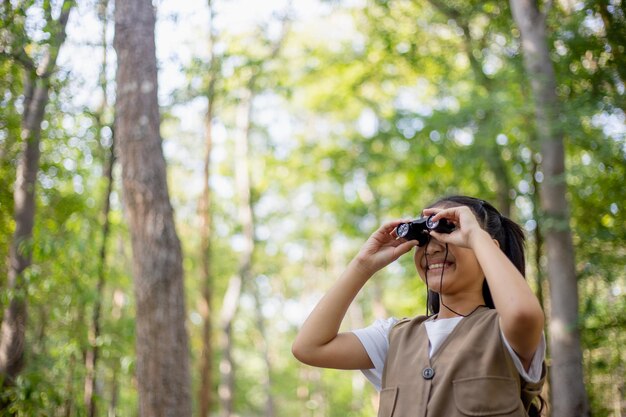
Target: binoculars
x: 418, y: 229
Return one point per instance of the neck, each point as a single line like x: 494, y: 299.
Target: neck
x: 458, y: 307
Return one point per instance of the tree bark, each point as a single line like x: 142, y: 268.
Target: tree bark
x: 161, y: 337
x: 569, y: 397
x: 37, y: 85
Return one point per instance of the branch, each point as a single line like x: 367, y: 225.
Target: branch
x: 22, y: 57
x: 447, y: 11
x: 58, y: 37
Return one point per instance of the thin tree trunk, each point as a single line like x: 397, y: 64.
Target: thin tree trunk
x: 91, y: 357
x: 206, y: 310
x: 12, y: 331
x: 112, y: 409
x: 569, y: 398
x: 161, y: 336
x: 116, y: 314
x: 263, y: 345
x: 227, y: 372
x: 231, y: 300
x: 205, y: 395
x: 246, y: 219
x: 68, y: 404
x: 538, y: 238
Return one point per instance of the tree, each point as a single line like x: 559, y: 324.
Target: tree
x: 161, y: 336
x: 36, y: 91
x: 244, y: 187
x: 569, y: 397
x: 205, y: 396
x: 92, y: 353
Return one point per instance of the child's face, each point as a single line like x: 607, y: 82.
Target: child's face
x: 461, y: 270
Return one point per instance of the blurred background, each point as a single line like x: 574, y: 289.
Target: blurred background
x: 291, y: 130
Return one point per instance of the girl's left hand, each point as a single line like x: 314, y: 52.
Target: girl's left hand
x: 463, y: 217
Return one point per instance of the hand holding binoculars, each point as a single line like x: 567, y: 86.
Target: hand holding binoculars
x: 418, y: 229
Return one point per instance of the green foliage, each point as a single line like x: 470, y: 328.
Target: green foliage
x: 413, y: 101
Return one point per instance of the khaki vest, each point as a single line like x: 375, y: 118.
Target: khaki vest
x: 471, y: 374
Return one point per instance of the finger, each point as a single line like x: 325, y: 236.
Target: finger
x: 405, y: 247
x: 444, y: 213
x: 442, y: 237
x: 432, y: 210
x: 393, y: 223
x: 391, y: 226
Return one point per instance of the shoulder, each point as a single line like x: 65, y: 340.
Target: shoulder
x: 407, y: 324
x: 380, y: 328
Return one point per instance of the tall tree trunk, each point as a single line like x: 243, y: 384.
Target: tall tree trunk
x: 68, y: 404
x: 206, y: 310
x: 161, y: 336
x: 91, y: 357
x: 231, y: 299
x: 116, y: 314
x: 112, y: 409
x: 569, y: 398
x: 205, y: 394
x: 37, y: 85
x: 246, y: 219
x: 263, y: 345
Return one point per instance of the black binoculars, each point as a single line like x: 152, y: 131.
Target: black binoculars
x: 418, y: 229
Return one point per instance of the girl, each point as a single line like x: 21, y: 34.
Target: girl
x: 480, y: 353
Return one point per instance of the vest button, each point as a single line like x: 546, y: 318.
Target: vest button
x: 428, y: 373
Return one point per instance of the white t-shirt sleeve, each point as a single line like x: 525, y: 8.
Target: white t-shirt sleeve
x: 534, y: 372
x: 375, y: 340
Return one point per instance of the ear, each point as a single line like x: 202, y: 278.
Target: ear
x: 496, y: 242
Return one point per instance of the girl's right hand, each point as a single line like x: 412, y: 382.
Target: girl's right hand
x: 383, y: 247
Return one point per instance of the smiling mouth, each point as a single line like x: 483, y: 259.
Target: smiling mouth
x: 439, y: 266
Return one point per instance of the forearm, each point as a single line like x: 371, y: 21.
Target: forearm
x: 323, y: 323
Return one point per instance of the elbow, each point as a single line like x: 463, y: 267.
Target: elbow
x: 296, y: 351
x: 300, y: 352
x: 308, y: 354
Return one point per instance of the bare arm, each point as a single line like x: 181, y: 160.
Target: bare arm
x: 318, y: 343
x: 521, y: 316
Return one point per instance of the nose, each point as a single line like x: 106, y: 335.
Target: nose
x: 434, y: 246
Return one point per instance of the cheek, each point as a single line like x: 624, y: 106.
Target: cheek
x: 471, y: 262
x: 417, y: 259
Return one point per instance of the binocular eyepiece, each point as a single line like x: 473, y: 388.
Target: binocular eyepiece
x: 418, y: 229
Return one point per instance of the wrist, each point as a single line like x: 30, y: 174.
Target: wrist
x: 361, y: 268
x: 479, y: 236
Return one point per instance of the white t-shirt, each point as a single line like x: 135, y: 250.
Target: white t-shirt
x: 375, y: 340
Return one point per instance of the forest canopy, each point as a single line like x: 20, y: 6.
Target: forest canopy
x: 288, y: 133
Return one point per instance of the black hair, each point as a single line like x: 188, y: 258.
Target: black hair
x: 509, y: 235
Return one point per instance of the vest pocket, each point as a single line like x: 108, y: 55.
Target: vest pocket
x: 487, y: 396
x: 387, y: 403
